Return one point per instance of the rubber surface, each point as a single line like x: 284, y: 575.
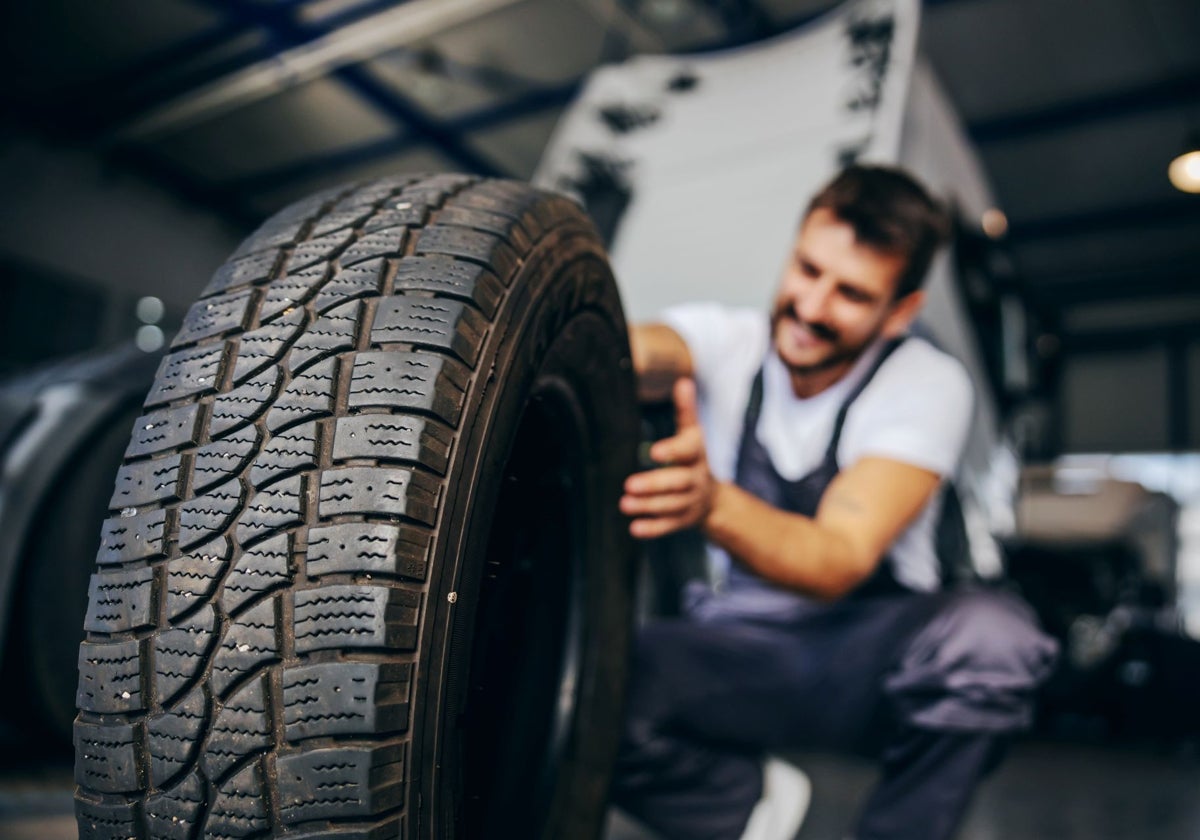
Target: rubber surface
x: 282, y: 626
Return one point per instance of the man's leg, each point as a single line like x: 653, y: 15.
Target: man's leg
x: 928, y: 778
x: 707, y: 700
x: 962, y: 686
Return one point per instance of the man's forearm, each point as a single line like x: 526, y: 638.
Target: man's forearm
x: 660, y: 357
x: 786, y: 548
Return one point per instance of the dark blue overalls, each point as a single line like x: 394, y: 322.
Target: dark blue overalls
x: 930, y: 683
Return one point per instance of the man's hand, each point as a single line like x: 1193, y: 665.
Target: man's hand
x: 679, y: 494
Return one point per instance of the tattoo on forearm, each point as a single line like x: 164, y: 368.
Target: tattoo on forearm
x: 845, y: 502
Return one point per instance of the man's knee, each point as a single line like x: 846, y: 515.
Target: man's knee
x: 974, y: 665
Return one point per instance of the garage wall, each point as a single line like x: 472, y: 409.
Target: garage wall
x: 80, y: 243
x: 1142, y: 397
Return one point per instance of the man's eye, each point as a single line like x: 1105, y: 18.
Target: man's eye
x: 807, y: 268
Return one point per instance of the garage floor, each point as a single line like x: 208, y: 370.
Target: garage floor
x: 1046, y: 790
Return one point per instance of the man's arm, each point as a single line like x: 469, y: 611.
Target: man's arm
x: 660, y: 356
x: 862, y: 512
x: 864, y: 509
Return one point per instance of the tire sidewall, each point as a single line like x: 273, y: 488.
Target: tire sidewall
x: 561, y: 327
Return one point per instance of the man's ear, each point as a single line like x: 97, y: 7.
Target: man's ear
x: 904, y: 312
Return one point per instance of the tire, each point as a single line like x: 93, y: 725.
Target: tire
x: 365, y: 575
x: 54, y: 580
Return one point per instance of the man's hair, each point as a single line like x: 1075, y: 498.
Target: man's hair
x: 890, y: 212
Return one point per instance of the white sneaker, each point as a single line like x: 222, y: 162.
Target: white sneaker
x: 780, y: 812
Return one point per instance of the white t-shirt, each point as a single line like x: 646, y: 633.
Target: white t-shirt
x: 917, y: 409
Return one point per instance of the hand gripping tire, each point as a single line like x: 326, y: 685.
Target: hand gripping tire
x: 364, y: 574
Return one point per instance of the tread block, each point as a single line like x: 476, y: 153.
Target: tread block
x: 120, y: 601
x: 349, y: 616
x: 251, y: 641
x: 364, y: 279
x: 110, y: 677
x: 249, y: 270
x: 481, y: 247
x: 401, y: 211
x: 261, y: 347
x: 336, y: 330
x: 105, y: 757
x: 213, y: 316
x: 223, y: 459
x: 260, y: 569
x: 208, y: 515
x: 409, y: 381
x: 370, y: 193
x: 309, y: 395
x: 187, y: 373
x: 242, y: 726
x: 340, y: 783
x: 315, y: 204
x: 345, y: 698
x: 368, y: 548
x: 446, y: 276
x: 172, y: 814
x: 318, y: 250
x: 378, y: 490
x: 486, y: 220
x: 502, y: 200
x: 240, y: 808
x: 173, y: 737
x: 167, y: 428
x: 107, y: 820
x: 181, y: 652
x: 193, y: 577
x: 291, y: 291
x: 289, y: 451
x: 443, y: 324
x: 244, y: 405
x: 147, y: 482
x: 387, y: 829
x: 388, y: 437
x: 133, y: 536
x: 271, y: 509
x: 272, y: 235
x: 340, y: 219
x: 386, y: 242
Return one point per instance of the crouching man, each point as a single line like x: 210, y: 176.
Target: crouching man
x: 810, y: 450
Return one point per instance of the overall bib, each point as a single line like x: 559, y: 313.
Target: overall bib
x: 928, y: 682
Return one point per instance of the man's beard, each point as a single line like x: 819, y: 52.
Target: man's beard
x: 838, y: 353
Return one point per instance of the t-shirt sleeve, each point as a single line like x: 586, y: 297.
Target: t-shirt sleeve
x: 919, y: 412
x: 712, y: 333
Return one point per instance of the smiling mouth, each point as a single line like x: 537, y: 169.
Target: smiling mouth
x: 801, y: 333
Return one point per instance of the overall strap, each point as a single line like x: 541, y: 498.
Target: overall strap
x: 754, y: 405
x: 834, y: 439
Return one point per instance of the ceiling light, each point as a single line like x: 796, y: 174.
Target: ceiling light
x: 994, y: 223
x: 1184, y: 171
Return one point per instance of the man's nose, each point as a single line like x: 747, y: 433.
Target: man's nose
x: 813, y: 305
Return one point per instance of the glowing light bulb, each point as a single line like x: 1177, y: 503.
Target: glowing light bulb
x: 1184, y: 172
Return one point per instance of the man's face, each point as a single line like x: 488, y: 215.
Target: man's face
x: 836, y: 296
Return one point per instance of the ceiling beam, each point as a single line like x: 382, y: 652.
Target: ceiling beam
x: 535, y: 102
x: 312, y: 52
x: 1112, y: 286
x: 1183, y: 89
x: 1185, y: 209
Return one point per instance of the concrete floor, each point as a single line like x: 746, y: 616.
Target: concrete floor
x: 1045, y: 791
x: 1055, y: 791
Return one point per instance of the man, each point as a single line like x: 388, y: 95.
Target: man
x: 810, y: 451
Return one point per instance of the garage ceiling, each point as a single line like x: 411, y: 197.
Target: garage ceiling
x: 240, y: 105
